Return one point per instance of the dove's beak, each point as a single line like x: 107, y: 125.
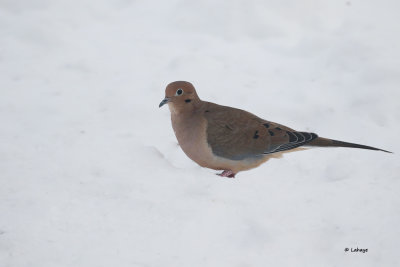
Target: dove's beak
x: 165, y: 101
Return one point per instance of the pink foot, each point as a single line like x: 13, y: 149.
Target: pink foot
x: 228, y: 174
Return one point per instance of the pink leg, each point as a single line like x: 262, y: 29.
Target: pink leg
x: 228, y: 174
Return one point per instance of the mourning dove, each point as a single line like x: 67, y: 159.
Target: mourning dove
x: 231, y: 139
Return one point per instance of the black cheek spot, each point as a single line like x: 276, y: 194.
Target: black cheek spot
x: 271, y: 133
x: 256, y: 135
x: 188, y: 100
x: 266, y: 125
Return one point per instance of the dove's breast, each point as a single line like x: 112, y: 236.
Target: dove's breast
x: 191, y: 133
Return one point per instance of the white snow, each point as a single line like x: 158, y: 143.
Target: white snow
x: 91, y: 173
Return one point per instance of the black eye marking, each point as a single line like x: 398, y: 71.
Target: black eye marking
x: 179, y: 91
x: 188, y: 100
x: 271, y: 133
x: 256, y: 135
x: 266, y: 125
x: 207, y: 111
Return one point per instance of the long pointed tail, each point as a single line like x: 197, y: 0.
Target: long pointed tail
x: 323, y: 142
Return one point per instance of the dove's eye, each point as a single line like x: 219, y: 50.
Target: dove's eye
x: 179, y: 91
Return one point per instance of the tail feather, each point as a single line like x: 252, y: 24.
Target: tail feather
x: 324, y: 142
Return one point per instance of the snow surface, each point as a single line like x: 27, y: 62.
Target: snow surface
x: 91, y: 173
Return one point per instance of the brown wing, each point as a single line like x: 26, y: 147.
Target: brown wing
x: 237, y: 134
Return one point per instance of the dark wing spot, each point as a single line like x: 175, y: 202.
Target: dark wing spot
x: 271, y: 133
x: 228, y: 127
x: 266, y: 125
x: 188, y: 100
x: 279, y: 129
x: 256, y: 135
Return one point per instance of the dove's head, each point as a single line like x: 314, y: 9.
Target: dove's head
x: 180, y: 96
